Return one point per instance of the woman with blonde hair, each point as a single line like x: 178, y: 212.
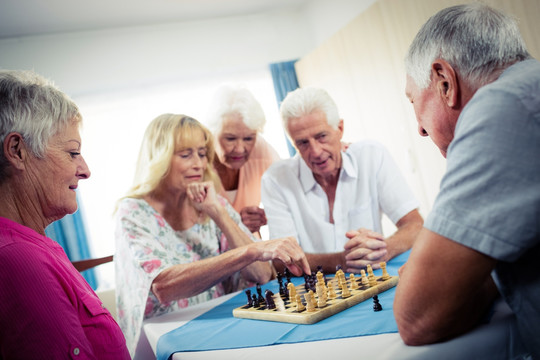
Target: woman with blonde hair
x: 178, y: 242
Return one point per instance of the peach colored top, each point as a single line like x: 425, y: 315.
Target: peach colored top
x: 249, y: 182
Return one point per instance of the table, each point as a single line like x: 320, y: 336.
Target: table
x: 488, y: 341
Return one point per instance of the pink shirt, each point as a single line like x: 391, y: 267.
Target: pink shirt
x: 47, y: 309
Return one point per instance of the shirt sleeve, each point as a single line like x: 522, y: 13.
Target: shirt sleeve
x: 139, y: 258
x: 490, y: 194
x: 279, y: 215
x: 42, y: 323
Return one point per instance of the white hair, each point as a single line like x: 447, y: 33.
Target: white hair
x: 305, y: 101
x: 475, y: 39
x: 230, y: 100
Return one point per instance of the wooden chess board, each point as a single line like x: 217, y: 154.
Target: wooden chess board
x: 332, y: 307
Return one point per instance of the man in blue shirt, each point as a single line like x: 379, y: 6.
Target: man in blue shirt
x: 476, y: 92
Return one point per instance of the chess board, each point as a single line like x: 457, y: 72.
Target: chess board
x: 290, y: 314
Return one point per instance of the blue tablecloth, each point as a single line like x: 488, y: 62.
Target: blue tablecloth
x: 217, y: 329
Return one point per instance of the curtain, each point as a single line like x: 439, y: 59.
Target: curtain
x: 70, y: 233
x: 285, y: 80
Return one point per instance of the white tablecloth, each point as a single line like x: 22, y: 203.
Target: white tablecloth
x: 489, y: 341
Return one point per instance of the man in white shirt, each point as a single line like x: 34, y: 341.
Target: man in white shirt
x: 333, y: 201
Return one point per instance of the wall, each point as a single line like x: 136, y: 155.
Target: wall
x: 122, y: 78
x: 362, y: 68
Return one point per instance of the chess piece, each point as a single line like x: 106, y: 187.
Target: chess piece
x: 331, y: 290
x: 270, y: 304
x: 280, y: 304
x: 371, y: 276
x: 385, y: 275
x: 365, y: 280
x: 309, y: 301
x: 291, y: 289
x: 260, y: 298
x: 299, y: 306
x: 345, y: 293
x: 353, y: 283
x: 250, y: 300
x: 376, y: 305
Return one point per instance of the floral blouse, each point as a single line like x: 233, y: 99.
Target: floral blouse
x: 146, y: 245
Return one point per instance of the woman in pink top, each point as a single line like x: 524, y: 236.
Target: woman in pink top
x: 47, y: 309
x: 236, y: 119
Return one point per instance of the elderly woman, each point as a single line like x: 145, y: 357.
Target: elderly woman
x: 177, y: 241
x: 236, y: 119
x: 46, y: 307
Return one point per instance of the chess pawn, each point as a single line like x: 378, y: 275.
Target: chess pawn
x: 353, y: 283
x: 365, y: 280
x: 376, y: 305
x: 385, y: 275
x: 345, y: 293
x: 331, y: 290
x: 299, y: 306
x: 371, y: 276
x: 309, y: 301
x: 292, y: 292
x: 321, y: 301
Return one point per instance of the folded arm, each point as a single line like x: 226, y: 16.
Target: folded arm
x: 368, y: 247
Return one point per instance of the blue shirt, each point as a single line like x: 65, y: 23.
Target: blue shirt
x: 490, y: 194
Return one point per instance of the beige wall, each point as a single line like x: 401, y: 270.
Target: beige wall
x: 362, y: 68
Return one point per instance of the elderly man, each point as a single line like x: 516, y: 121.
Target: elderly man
x: 332, y: 201
x: 476, y: 93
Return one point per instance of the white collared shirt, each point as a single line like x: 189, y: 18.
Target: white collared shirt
x: 369, y: 185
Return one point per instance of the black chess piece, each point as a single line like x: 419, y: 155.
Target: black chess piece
x: 270, y: 304
x: 288, y: 276
x: 259, y: 292
x: 376, y: 305
x: 250, y: 300
x: 281, y: 286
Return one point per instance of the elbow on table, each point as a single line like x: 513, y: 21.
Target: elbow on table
x: 415, y: 331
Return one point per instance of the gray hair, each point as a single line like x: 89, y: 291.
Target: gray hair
x: 304, y: 101
x: 475, y: 39
x: 230, y: 100
x: 33, y: 107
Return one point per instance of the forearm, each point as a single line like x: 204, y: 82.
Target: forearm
x: 257, y: 271
x: 186, y: 280
x: 444, y: 289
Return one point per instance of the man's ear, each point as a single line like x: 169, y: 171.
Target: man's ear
x: 445, y: 81
x: 340, y: 128
x: 15, y: 150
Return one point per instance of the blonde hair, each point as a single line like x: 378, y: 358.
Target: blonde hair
x: 164, y: 135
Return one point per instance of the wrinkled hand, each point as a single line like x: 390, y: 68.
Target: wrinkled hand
x: 202, y: 195
x: 364, y: 247
x: 287, y: 251
x: 253, y: 217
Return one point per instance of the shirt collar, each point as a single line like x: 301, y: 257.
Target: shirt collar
x: 348, y: 168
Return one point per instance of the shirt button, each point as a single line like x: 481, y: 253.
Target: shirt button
x: 76, y: 351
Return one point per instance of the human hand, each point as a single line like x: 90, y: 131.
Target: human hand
x: 253, y: 217
x: 364, y: 247
x: 202, y: 196
x: 287, y: 251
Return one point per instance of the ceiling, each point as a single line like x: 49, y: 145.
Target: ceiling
x: 37, y: 17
